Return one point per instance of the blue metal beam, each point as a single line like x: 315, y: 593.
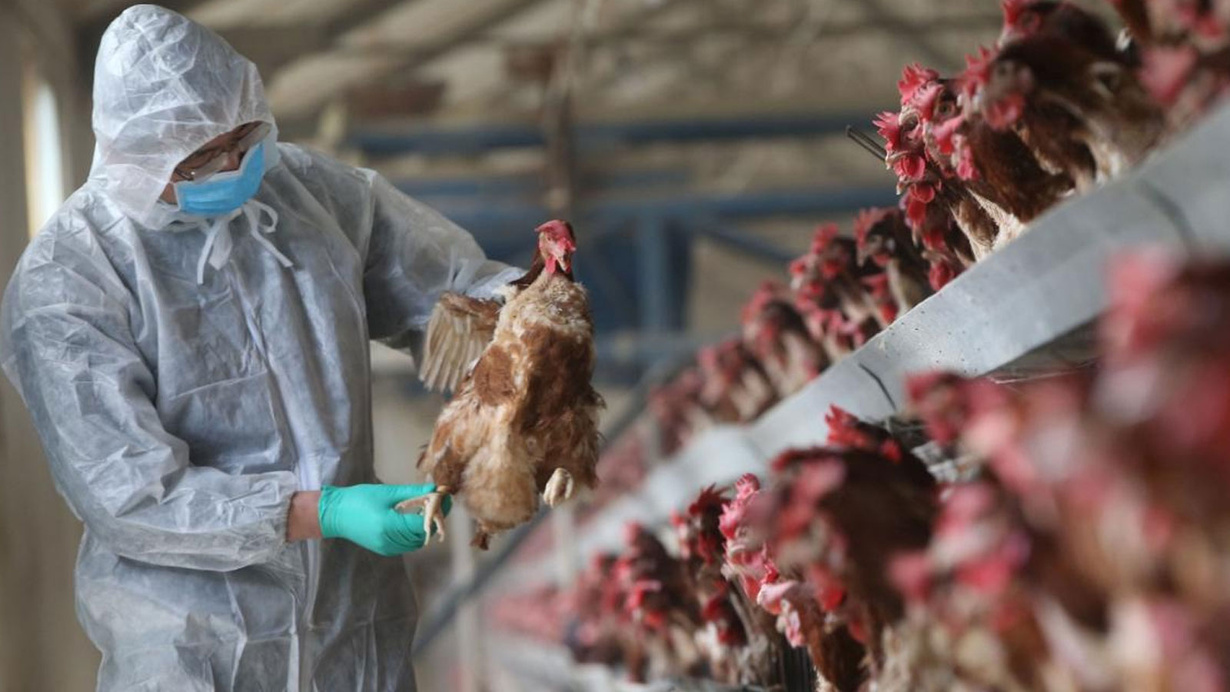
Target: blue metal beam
x: 526, y: 185
x: 743, y: 242
x: 494, y: 219
x: 654, y: 273
x: 481, y: 138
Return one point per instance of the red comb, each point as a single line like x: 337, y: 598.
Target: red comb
x: 825, y: 233
x: 914, y: 77
x: 764, y: 294
x: 1013, y: 9
x: 925, y: 99
x: 888, y: 125
x: 977, y: 71
x: 708, y: 499
x: 868, y: 219
x: 555, y: 226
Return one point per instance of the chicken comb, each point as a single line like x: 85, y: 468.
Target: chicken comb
x: 556, y: 227
x: 766, y: 293
x: 925, y: 99
x: 839, y: 421
x: 825, y: 235
x: 801, y: 266
x: 868, y: 219
x: 747, y: 484
x: 709, y: 499
x: 913, y: 78
x: 678, y: 520
x: 888, y: 126
x: 977, y: 71
x: 1013, y: 9
x: 847, y: 430
x: 734, y: 511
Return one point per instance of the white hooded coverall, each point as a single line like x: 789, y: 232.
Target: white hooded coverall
x: 180, y: 405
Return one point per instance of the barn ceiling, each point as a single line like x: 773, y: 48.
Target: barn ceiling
x: 487, y: 74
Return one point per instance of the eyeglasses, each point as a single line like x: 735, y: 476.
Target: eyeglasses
x: 203, y: 164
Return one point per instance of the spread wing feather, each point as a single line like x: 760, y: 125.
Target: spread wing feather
x: 458, y: 333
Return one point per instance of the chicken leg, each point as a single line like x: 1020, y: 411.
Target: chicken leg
x: 559, y: 488
x: 433, y: 517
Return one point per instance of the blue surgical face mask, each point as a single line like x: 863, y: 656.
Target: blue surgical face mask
x: 223, y: 193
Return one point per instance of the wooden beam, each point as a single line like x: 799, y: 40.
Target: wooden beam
x: 298, y: 90
x: 930, y: 53
x: 757, y: 32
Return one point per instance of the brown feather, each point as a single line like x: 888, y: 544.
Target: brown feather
x: 526, y: 408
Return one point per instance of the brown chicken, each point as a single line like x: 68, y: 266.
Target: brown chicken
x: 777, y: 335
x: 524, y: 419
x: 885, y: 241
x: 1025, y: 18
x: 930, y: 186
x: 1069, y: 103
x: 996, y: 167
x: 734, y: 387
x: 1184, y: 48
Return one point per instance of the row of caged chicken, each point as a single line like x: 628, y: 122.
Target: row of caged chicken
x: 843, y: 291
x: 1060, y: 105
x: 1085, y: 548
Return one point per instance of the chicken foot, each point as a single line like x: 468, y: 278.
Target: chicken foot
x: 559, y: 489
x: 433, y: 516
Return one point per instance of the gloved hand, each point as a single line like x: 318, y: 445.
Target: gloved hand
x: 364, y: 514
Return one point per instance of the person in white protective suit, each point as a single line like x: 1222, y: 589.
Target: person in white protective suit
x: 190, y: 334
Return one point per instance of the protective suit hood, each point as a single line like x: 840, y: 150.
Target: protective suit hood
x: 164, y: 86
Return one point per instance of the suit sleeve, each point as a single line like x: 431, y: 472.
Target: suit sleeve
x: 67, y: 347
x: 413, y: 256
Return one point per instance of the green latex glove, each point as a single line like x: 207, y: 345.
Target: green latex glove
x: 364, y: 514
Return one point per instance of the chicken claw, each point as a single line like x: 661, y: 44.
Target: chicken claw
x: 433, y: 518
x: 559, y: 488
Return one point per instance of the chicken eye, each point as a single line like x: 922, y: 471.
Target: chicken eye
x: 1109, y: 76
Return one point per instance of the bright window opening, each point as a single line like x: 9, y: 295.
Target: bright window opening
x: 43, y: 149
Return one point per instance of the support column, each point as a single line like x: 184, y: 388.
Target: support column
x: 653, y: 260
